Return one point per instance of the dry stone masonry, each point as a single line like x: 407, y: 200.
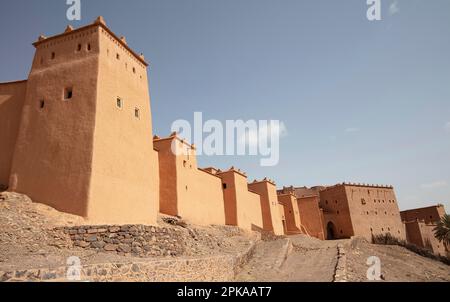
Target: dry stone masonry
x: 128, y: 240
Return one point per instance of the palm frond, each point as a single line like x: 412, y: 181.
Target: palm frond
x: 442, y: 230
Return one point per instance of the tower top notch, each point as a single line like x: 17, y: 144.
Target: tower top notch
x: 100, y: 20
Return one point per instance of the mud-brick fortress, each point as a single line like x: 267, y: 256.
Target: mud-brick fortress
x: 77, y: 136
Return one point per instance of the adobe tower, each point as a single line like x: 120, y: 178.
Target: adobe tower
x: 84, y: 143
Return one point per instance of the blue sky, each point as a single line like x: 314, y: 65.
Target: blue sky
x: 362, y: 101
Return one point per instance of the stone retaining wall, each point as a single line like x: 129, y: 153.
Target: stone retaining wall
x: 340, y: 274
x: 135, y: 240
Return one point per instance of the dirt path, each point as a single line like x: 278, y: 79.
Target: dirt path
x: 313, y: 260
x: 309, y: 260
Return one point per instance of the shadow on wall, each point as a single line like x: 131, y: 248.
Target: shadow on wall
x: 6, y: 102
x: 266, y: 235
x: 257, y: 228
x: 12, y: 96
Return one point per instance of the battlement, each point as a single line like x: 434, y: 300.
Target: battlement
x: 265, y: 180
x: 233, y: 170
x: 71, y: 34
x: 361, y: 185
x: 286, y: 194
x: 367, y: 185
x: 174, y: 136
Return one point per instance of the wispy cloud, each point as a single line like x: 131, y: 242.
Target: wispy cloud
x: 447, y: 127
x: 434, y: 185
x: 352, y: 130
x: 394, y: 8
x: 268, y: 131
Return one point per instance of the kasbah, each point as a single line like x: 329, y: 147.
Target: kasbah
x: 81, y: 122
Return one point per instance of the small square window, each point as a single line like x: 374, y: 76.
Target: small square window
x: 119, y: 103
x: 137, y: 113
x: 68, y: 93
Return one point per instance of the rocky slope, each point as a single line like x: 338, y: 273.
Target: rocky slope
x: 36, y: 236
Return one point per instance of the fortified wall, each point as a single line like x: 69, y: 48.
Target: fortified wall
x: 361, y: 210
x: 77, y: 136
x: 185, y: 190
x: 420, y: 224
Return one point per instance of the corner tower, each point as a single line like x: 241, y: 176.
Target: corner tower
x: 85, y: 141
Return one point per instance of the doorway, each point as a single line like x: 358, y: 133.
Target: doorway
x: 331, y: 235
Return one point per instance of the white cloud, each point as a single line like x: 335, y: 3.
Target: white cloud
x: 434, y: 185
x: 393, y: 8
x: 447, y: 126
x: 268, y: 131
x: 352, y: 130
